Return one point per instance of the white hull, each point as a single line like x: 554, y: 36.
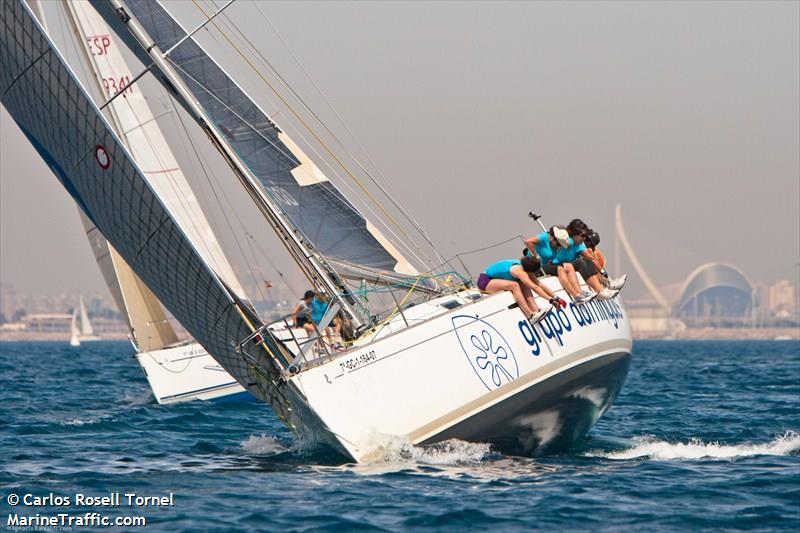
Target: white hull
x: 478, y: 372
x: 184, y: 373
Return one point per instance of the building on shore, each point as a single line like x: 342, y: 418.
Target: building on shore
x: 715, y: 296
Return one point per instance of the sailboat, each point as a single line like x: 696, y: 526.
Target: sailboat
x: 455, y: 364
x: 177, y: 369
x: 81, y: 329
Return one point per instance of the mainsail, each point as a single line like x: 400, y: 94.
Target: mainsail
x: 313, y: 205
x: 134, y: 122
x: 137, y: 126
x: 70, y: 133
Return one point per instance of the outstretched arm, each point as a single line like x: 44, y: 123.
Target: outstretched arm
x: 531, y: 282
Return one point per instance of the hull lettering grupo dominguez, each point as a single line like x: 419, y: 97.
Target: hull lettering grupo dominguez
x: 558, y: 325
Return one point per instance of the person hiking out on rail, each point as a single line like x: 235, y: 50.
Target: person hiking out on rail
x: 518, y: 276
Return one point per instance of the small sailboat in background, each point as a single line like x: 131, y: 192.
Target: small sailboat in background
x: 442, y: 361
x: 81, y: 329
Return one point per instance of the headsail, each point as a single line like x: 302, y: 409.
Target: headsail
x: 296, y: 185
x: 139, y: 307
x: 69, y: 132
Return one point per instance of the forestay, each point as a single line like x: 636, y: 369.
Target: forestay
x: 69, y: 132
x: 304, y: 194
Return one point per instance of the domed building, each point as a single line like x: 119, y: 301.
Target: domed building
x: 714, y: 293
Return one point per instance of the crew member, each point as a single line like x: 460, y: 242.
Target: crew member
x: 518, y: 276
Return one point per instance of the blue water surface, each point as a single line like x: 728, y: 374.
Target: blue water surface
x: 703, y: 436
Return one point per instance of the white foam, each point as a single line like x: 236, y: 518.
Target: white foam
x: 262, y: 445
x: 394, y: 449
x: 79, y: 421
x: 662, y: 450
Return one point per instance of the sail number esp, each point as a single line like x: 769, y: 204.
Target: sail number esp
x: 358, y: 361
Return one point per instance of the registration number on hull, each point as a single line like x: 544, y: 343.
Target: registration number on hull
x: 358, y: 361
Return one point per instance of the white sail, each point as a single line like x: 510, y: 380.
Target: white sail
x: 136, y: 125
x: 86, y: 326
x: 43, y: 96
x: 176, y: 371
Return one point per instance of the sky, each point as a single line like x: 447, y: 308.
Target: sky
x: 685, y: 114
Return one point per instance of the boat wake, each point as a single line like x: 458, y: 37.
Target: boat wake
x: 661, y: 450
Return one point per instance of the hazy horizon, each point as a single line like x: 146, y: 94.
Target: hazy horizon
x: 686, y: 114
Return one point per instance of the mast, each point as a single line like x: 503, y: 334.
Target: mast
x: 313, y: 264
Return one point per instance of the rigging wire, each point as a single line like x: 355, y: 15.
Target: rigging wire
x: 205, y: 173
x: 397, y: 240
x: 381, y: 186
x: 273, y: 144
x: 305, y: 124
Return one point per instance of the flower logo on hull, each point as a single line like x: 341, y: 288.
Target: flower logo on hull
x: 486, y: 350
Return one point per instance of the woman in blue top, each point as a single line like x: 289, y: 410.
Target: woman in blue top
x: 318, y: 307
x: 519, y: 278
x: 550, y: 247
x: 578, y: 256
x: 564, y: 249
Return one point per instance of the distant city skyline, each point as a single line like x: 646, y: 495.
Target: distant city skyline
x: 686, y: 114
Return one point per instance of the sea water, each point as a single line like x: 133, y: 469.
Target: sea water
x: 704, y: 435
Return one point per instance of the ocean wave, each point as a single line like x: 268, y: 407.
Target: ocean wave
x: 662, y: 450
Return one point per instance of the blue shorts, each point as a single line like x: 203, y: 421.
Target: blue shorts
x: 483, y: 281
